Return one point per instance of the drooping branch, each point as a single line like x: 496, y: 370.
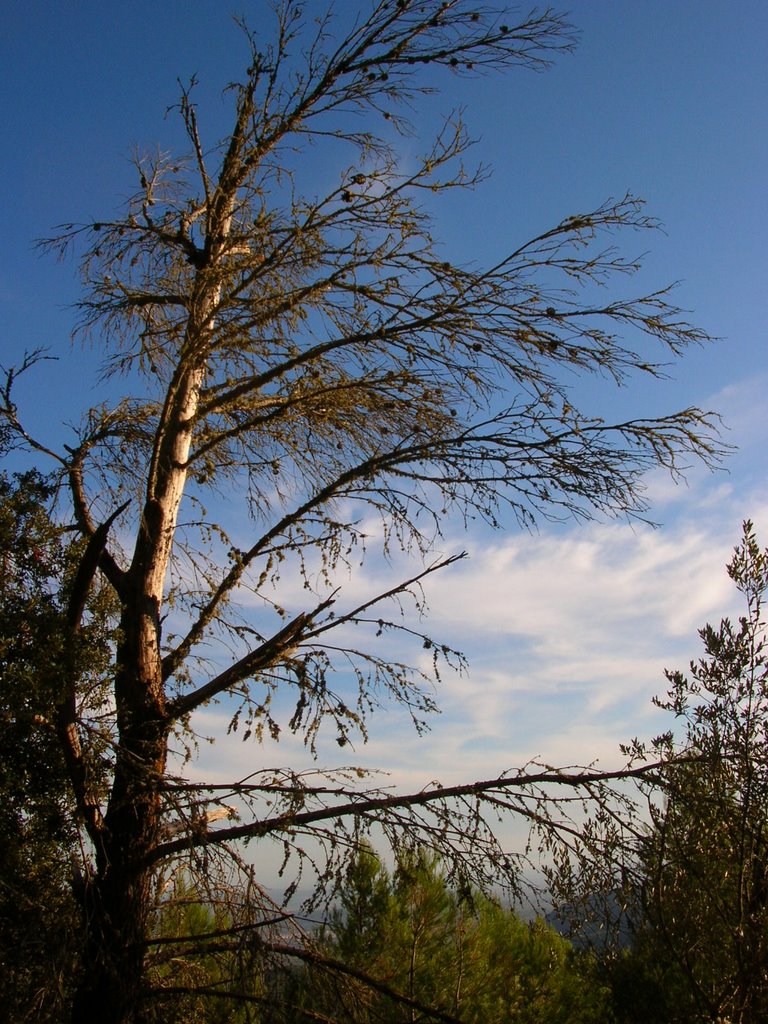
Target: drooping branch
x: 13, y: 430
x: 379, y: 806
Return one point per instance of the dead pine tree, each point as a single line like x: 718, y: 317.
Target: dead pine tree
x: 312, y: 357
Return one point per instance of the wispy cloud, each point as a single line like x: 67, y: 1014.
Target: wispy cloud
x: 567, y: 633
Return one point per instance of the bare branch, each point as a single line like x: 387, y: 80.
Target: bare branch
x: 375, y: 807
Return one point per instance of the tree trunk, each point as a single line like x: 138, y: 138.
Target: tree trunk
x: 115, y: 909
x: 117, y: 900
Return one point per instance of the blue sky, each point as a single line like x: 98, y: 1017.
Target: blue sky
x: 567, y: 629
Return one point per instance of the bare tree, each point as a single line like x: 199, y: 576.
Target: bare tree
x: 304, y: 356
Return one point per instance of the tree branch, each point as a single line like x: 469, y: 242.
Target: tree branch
x: 366, y: 805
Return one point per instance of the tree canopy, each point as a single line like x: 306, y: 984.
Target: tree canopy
x: 39, y: 855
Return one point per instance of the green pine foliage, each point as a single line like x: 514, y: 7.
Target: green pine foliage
x: 204, y: 972
x: 426, y: 945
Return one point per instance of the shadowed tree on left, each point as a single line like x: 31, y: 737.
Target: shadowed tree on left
x: 39, y: 853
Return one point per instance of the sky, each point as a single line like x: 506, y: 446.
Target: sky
x: 567, y: 628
